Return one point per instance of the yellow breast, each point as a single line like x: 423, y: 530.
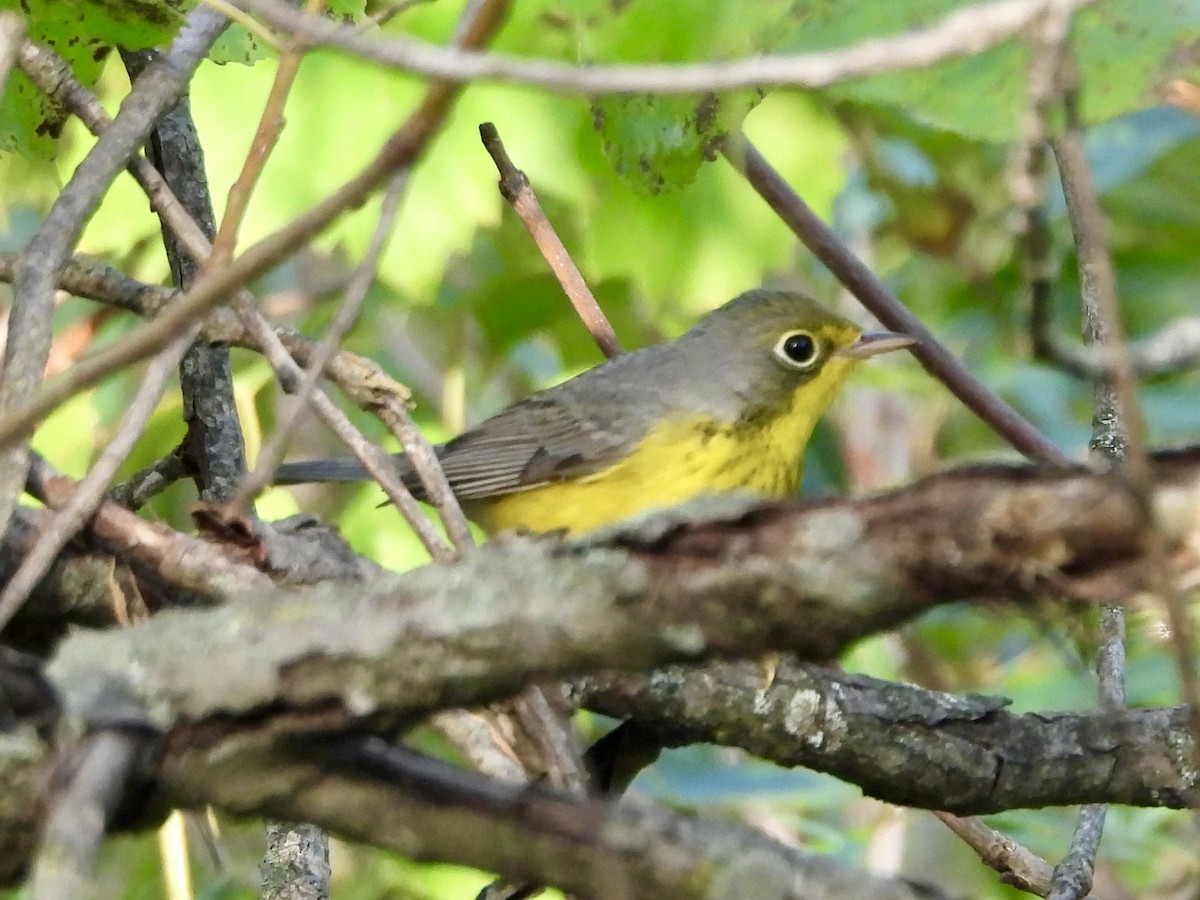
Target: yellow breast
x: 677, y: 461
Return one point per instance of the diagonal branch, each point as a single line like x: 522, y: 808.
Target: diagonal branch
x: 885, y: 306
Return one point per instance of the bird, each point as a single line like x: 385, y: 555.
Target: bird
x: 728, y: 406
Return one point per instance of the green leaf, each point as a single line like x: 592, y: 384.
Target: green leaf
x: 237, y: 45
x: 82, y: 33
x: 349, y: 9
x: 1126, y: 50
x: 659, y: 143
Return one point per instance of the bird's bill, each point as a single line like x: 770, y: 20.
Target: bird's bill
x: 872, y: 343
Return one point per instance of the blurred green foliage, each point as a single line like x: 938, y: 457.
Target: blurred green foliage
x: 909, y: 168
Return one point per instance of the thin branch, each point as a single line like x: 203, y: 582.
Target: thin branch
x: 1049, y: 71
x: 92, y: 279
x: 961, y: 33
x: 149, y: 482
x: 1118, y: 439
x: 429, y: 470
x: 195, y: 568
x: 1017, y: 864
x: 515, y: 188
x: 1118, y: 426
x: 270, y: 126
x: 885, y: 306
x: 266, y: 136
x: 1073, y: 875
x: 1173, y: 349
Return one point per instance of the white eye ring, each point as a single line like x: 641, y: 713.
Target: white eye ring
x: 798, y: 350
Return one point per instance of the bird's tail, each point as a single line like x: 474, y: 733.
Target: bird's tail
x: 310, y: 470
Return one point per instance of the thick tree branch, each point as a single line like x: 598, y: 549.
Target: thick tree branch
x: 427, y: 810
x: 906, y: 745
x: 808, y: 578
x: 977, y: 531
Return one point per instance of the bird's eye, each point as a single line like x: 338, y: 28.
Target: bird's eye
x: 797, y: 349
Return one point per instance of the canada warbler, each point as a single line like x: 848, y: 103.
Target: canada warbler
x: 728, y: 406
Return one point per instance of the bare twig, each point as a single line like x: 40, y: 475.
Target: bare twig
x: 1073, y: 875
x: 1019, y: 866
x: 192, y: 566
x: 88, y: 277
x: 884, y: 305
x: 149, y: 481
x: 1117, y: 439
x: 961, y: 33
x: 270, y: 126
x: 425, y: 463
x: 515, y: 188
x: 1118, y: 426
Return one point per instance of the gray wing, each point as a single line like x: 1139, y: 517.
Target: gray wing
x: 575, y: 429
x: 534, y: 442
